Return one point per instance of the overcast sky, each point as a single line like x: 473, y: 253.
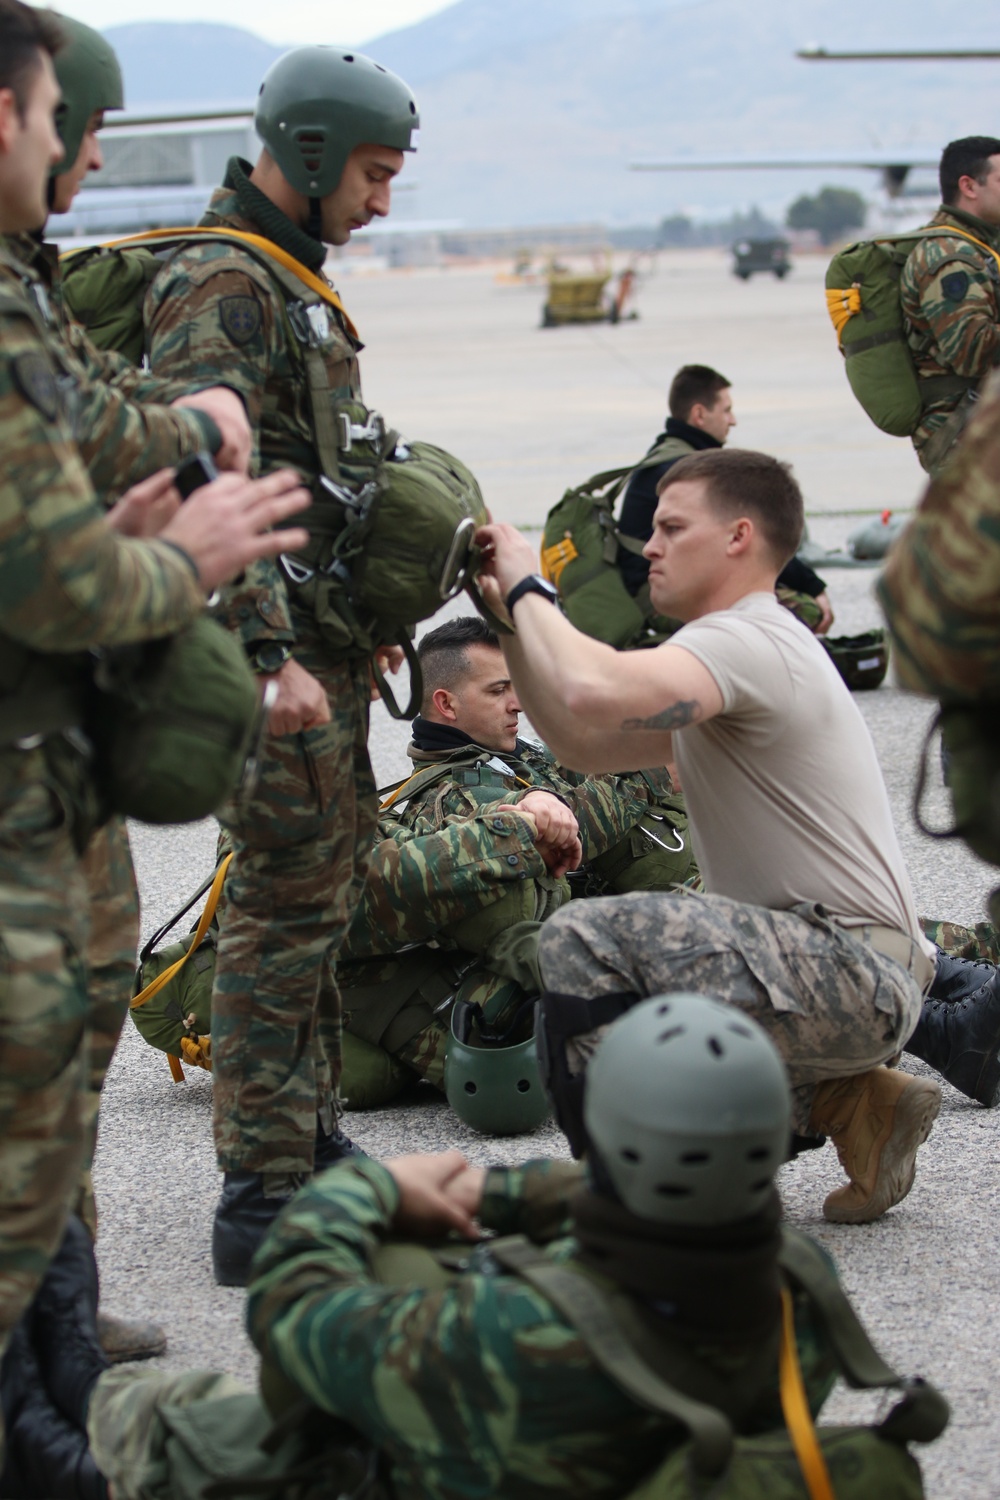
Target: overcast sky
x: 295, y: 21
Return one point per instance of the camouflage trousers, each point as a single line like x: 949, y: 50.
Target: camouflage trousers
x: 110, y: 957
x: 301, y: 847
x: 832, y: 1005
x: 43, y: 1016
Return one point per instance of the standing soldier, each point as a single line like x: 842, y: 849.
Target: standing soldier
x: 950, y: 293
x: 334, y: 126
x: 69, y: 582
x: 123, y: 438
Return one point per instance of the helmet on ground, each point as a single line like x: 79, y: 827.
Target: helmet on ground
x: 494, y: 1087
x: 316, y: 104
x: 861, y: 660
x: 687, y: 1111
x: 90, y: 79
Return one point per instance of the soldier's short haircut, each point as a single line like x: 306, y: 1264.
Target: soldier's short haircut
x: 968, y: 157
x: 739, y: 482
x: 25, y: 33
x: 441, y: 652
x: 694, y: 385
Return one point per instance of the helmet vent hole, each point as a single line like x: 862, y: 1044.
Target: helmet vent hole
x: 413, y: 108
x: 348, y: 57
x: 310, y: 144
x: 380, y: 67
x: 759, y: 1153
x: 715, y: 1047
x: 695, y: 1158
x: 668, y: 1036
x: 523, y: 1085
x: 470, y: 1087
x: 761, y: 1185
x: 672, y: 1190
x: 629, y: 1155
x: 663, y: 1010
x: 738, y: 1030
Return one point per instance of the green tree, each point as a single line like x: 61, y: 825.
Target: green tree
x: 832, y: 212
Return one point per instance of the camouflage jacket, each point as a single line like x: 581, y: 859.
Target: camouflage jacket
x: 950, y: 296
x: 458, y: 781
x: 418, y: 884
x: 941, y: 585
x: 480, y: 1388
x: 214, y: 314
x: 125, y: 429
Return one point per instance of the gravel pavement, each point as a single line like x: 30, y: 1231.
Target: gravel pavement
x: 926, y: 1277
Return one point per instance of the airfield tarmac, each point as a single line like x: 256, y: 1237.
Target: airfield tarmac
x: 455, y: 358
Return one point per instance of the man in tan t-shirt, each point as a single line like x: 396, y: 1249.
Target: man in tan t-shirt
x: 809, y: 924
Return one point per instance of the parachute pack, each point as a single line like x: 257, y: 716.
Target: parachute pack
x: 579, y: 555
x: 862, y: 297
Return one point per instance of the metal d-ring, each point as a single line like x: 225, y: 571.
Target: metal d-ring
x: 463, y: 531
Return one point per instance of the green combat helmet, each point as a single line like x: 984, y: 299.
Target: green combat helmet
x: 861, y: 660
x: 90, y: 79
x: 316, y: 104
x: 687, y: 1111
x: 494, y: 1087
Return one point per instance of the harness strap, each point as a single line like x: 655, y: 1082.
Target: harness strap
x: 795, y: 1406
x: 587, y: 1309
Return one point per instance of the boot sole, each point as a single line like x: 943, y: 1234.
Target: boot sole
x: 916, y: 1112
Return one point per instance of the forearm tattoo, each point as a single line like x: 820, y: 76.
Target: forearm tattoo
x: 675, y: 717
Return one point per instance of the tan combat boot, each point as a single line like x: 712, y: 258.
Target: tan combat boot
x: 876, y: 1120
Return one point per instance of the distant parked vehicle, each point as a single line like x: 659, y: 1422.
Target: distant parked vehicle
x: 589, y: 298
x: 761, y: 255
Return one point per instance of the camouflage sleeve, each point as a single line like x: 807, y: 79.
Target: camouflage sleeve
x: 940, y: 590
x: 606, y: 807
x: 532, y: 1199
x: 66, y: 581
x: 954, y: 302
x: 123, y: 441
x: 188, y: 343
x: 458, y: 1387
x: 418, y: 883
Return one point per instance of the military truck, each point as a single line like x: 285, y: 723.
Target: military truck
x: 761, y: 255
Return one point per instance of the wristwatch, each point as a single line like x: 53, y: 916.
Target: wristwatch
x: 533, y: 584
x: 270, y: 657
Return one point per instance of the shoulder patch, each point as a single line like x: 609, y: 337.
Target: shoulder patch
x: 36, y: 380
x: 955, y: 285
x: 240, y: 318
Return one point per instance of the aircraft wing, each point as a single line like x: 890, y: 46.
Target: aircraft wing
x: 875, y: 161
x: 823, y: 54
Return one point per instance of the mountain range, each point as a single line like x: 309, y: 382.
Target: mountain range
x: 531, y: 110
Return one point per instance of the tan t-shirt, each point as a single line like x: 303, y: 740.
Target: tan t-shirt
x: 784, y: 790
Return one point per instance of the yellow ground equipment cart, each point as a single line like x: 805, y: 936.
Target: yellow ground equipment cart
x: 587, y: 298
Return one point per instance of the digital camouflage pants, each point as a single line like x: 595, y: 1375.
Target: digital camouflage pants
x: 301, y: 847
x: 43, y: 1017
x: 832, y: 1005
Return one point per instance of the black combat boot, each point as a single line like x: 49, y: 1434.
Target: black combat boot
x: 64, y: 1325
x: 248, y: 1205
x: 332, y: 1146
x: 47, y: 1456
x: 958, y: 1033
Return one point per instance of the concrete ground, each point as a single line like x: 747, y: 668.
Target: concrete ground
x: 457, y: 359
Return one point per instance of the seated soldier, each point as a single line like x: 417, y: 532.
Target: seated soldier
x: 701, y: 417
x: 476, y: 1370
x: 466, y: 751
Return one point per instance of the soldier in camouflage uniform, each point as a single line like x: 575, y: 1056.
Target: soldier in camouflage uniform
x: 126, y: 430
x: 478, y: 1380
x: 950, y: 294
x: 68, y: 583
x: 335, y: 127
x: 466, y: 751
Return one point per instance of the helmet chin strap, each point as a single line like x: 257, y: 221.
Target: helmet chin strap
x: 314, y: 223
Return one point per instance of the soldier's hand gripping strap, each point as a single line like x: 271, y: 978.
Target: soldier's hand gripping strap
x: 558, y: 1019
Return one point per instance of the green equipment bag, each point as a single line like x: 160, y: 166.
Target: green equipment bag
x: 862, y: 296
x: 861, y: 660
x: 173, y: 723
x: 653, y: 856
x: 861, y: 1463
x: 105, y: 291
x: 579, y: 555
